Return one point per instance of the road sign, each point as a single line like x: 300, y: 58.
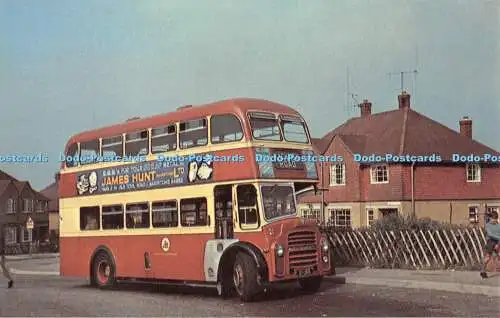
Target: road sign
x: 29, y: 223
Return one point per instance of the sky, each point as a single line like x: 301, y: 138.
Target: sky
x: 68, y: 66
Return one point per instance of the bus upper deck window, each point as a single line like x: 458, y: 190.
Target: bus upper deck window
x: 193, y: 133
x: 137, y: 143
x: 265, y: 126
x: 112, y: 146
x: 294, y: 129
x: 89, y: 151
x: 163, y: 139
x: 72, y: 152
x: 225, y: 128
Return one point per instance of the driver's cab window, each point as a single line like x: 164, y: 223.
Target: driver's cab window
x: 248, y: 208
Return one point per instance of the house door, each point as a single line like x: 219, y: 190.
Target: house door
x: 223, y: 199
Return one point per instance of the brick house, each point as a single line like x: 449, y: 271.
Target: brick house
x: 51, y: 192
x: 19, y: 203
x: 356, y: 193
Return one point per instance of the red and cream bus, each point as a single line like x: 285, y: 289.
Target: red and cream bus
x: 204, y: 197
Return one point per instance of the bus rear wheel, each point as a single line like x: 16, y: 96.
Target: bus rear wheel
x: 245, y: 275
x: 311, y: 284
x: 103, y: 271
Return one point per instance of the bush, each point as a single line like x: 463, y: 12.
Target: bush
x: 398, y: 222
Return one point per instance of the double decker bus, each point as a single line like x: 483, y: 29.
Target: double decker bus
x: 203, y: 195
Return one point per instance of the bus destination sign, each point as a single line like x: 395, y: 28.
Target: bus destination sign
x: 143, y: 176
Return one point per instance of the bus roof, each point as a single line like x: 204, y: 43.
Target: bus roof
x: 237, y: 106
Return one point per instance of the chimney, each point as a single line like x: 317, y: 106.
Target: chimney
x: 366, y: 108
x: 404, y: 100
x: 466, y: 127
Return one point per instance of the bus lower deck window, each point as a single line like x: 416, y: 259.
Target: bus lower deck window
x: 194, y: 212
x: 89, y: 218
x: 112, y: 217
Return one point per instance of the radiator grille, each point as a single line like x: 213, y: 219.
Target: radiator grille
x: 302, y: 250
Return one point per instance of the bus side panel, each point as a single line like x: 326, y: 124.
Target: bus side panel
x: 183, y: 260
x: 74, y: 257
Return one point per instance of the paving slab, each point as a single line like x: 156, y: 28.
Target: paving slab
x: 452, y: 281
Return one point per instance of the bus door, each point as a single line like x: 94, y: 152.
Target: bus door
x: 247, y: 207
x: 223, y: 199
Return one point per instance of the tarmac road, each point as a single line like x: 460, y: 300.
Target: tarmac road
x: 57, y: 296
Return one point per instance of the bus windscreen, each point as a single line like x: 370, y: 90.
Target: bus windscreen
x: 265, y: 126
x: 294, y: 129
x: 278, y: 201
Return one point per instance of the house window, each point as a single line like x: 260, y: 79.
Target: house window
x: 337, y: 174
x: 490, y: 210
x: 27, y: 235
x: 27, y: 205
x: 370, y: 217
x: 340, y: 217
x: 473, y: 173
x: 11, y: 205
x: 474, y: 214
x: 40, y: 206
x: 379, y: 174
x: 10, y: 235
x: 313, y: 214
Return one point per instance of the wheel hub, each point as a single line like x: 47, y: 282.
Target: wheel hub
x: 238, y: 277
x: 104, y: 271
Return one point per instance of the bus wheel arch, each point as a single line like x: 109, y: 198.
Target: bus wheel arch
x: 102, y: 268
x: 243, y: 252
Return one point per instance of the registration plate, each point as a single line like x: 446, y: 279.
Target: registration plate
x: 304, y: 272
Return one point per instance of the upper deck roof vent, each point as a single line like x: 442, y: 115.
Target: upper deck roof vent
x: 132, y: 119
x: 184, y: 107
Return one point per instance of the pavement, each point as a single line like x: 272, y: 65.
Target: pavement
x: 464, y: 282
x: 32, y: 256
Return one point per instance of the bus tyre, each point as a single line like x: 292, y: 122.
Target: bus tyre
x: 311, y: 284
x: 245, y: 277
x: 103, y: 271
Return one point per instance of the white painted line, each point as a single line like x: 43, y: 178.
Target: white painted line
x: 38, y: 273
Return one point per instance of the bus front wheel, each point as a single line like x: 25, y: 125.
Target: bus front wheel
x: 103, y: 271
x: 311, y: 284
x: 245, y: 277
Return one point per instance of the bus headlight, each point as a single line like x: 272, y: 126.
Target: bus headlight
x: 325, y: 248
x: 324, y: 244
x: 280, y: 251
